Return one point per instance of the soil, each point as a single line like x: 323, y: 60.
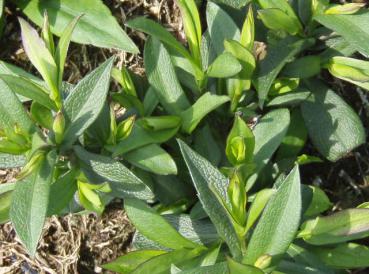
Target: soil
x: 82, y: 243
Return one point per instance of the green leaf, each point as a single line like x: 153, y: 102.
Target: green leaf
x: 295, y: 139
x: 163, y: 263
x: 5, y: 203
x: 279, y: 222
x: 29, y: 204
x: 233, y: 3
x: 85, y: 102
x: 192, y: 26
x: 192, y: 116
x: 9, y: 69
x: 297, y: 268
x: 354, y: 28
x: 160, y: 33
x: 206, y: 145
x: 97, y: 27
x: 277, y: 19
x: 212, y: 186
x: 152, y: 158
x: 289, y: 99
x: 247, y: 38
x: 346, y: 225
x: 61, y: 192
x: 105, y: 169
x: 62, y: 48
x: 155, y: 227
x: 221, y: 27
x: 319, y: 202
x: 277, y: 56
x: 162, y: 77
x: 218, y: 268
x: 237, y: 268
x: 344, y: 256
x: 42, y: 115
x: 258, y: 205
x: 334, y: 128
x: 29, y: 89
x: 132, y: 260
x: 12, y: 112
x: 41, y: 58
x: 201, y: 232
x: 11, y: 161
x: 304, y: 67
x: 224, y: 66
x: 269, y: 133
x: 140, y: 137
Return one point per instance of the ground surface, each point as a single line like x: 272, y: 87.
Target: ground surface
x: 80, y: 244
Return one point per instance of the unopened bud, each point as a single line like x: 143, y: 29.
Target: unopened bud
x: 32, y: 164
x: 124, y: 129
x: 263, y: 261
x: 58, y: 127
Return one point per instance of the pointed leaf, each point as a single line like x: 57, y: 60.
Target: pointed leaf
x: 224, y: 66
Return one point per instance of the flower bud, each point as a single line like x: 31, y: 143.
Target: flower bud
x: 124, y: 128
x: 58, y: 127
x: 263, y: 261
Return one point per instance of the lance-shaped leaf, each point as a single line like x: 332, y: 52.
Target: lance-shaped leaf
x: 346, y: 225
x: 29, y: 203
x: 354, y: 28
x: 221, y: 27
x: 204, y: 105
x: 248, y: 30
x: 162, y: 77
x: 86, y: 101
x: 9, y: 69
x: 344, y: 256
x: 97, y: 27
x: 279, y: 222
x: 40, y: 56
x: 277, y: 56
x: 152, y: 158
x: 212, y: 186
x: 12, y: 112
x: 155, y: 227
x: 277, y: 19
x: 192, y: 26
x: 100, y: 169
x: 233, y: 3
x: 129, y: 262
x: 26, y: 88
x: 334, y: 128
x: 62, y: 48
x: 224, y: 66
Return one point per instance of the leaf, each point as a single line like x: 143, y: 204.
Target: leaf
x: 140, y: 137
x: 206, y: 145
x: 160, y: 33
x: 289, y: 99
x: 5, y: 203
x: 29, y: 204
x: 304, y: 67
x: 276, y: 19
x: 9, y: 69
x: 334, y: 128
x: 346, y: 225
x: 233, y: 3
x: 224, y: 66
x: 40, y: 57
x: 130, y: 261
x: 162, y: 263
x: 154, y: 226
x: 279, y: 222
x: 269, y: 133
x: 62, y: 48
x: 218, y: 268
x: 152, y: 158
x: 29, y: 89
x: 319, y: 202
x: 354, y: 28
x: 42, y: 115
x: 297, y: 268
x: 212, y: 186
x: 277, y: 56
x: 162, y: 77
x: 344, y: 256
x: 12, y: 112
x: 62, y: 192
x: 192, y: 116
x: 100, y: 169
x: 221, y: 27
x: 237, y: 268
x: 97, y: 27
x: 11, y: 161
x: 85, y: 102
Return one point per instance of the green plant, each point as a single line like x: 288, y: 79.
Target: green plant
x: 246, y: 110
